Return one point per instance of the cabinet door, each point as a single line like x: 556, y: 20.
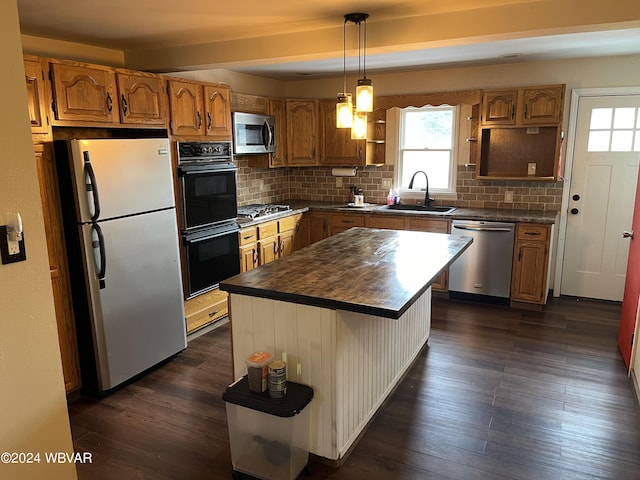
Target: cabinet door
x: 336, y: 146
x: 278, y: 110
x: 318, y: 226
x: 529, y: 272
x: 268, y: 250
x: 217, y: 111
x: 499, y: 107
x: 530, y: 261
x: 142, y: 99
x: 434, y: 225
x: 287, y: 243
x: 60, y: 282
x: 84, y: 94
x: 302, y: 135
x: 248, y: 257
x: 34, y: 77
x: 185, y: 103
x: 542, y: 105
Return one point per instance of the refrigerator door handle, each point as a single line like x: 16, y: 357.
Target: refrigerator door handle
x: 101, y: 261
x: 91, y: 185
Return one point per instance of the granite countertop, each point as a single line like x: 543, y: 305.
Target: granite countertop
x: 461, y: 213
x: 371, y: 271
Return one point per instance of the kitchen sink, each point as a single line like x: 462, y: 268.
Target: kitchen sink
x: 421, y: 208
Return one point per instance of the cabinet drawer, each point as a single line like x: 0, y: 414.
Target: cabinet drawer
x: 348, y: 220
x: 429, y: 225
x: 205, y: 309
x: 384, y: 221
x: 268, y: 229
x: 532, y: 232
x: 248, y: 235
x: 288, y: 223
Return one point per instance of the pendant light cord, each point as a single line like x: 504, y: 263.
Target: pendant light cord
x: 344, y: 56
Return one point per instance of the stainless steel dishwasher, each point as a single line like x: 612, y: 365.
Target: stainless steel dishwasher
x: 483, y: 271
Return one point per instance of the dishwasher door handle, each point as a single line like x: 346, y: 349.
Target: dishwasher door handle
x: 482, y: 229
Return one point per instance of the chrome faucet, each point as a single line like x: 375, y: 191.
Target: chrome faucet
x: 427, y: 198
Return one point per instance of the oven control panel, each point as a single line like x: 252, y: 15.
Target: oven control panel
x: 192, y: 152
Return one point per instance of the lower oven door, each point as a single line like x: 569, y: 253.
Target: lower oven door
x: 208, y: 195
x: 212, y: 255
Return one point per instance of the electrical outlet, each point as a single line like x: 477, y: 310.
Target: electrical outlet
x: 261, y: 185
x: 386, y: 183
x: 508, y: 196
x: 338, y: 181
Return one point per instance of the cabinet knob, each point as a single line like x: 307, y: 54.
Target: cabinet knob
x: 576, y: 197
x: 574, y: 211
x: 627, y: 234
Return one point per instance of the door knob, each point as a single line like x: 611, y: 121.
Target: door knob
x: 574, y: 211
x: 627, y: 234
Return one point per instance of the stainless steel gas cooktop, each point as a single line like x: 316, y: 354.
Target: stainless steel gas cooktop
x: 247, y: 213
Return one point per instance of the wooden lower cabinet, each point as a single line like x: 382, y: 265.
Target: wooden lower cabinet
x: 530, y: 260
x: 434, y: 225
x: 263, y: 243
x: 205, y: 309
x: 60, y: 282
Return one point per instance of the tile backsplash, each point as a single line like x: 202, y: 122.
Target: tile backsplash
x: 263, y: 185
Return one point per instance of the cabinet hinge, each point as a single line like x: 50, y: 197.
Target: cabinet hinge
x: 632, y: 336
x: 53, y: 106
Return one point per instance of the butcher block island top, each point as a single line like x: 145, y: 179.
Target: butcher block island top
x: 363, y: 270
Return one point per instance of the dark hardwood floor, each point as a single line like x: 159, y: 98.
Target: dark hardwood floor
x: 497, y: 394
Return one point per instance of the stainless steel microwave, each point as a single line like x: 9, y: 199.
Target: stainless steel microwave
x: 253, y: 133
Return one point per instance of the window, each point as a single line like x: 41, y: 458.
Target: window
x: 427, y: 142
x: 614, y: 130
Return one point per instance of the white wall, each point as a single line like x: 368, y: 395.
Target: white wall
x: 33, y: 409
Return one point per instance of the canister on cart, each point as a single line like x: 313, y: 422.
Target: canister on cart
x: 277, y: 379
x: 257, y: 370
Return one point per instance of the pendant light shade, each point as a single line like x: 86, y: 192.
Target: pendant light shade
x: 359, y: 127
x: 364, y: 95
x: 344, y: 111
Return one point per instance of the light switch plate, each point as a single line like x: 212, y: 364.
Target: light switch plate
x: 531, y: 168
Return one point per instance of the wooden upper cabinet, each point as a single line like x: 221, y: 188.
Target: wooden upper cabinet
x: 524, y: 106
x: 542, y: 105
x: 302, y: 132
x: 199, y: 109
x: 499, y: 107
x: 217, y: 111
x: 186, y: 105
x: 278, y: 110
x: 83, y: 93
x: 35, y: 80
x: 336, y: 146
x: 142, y: 98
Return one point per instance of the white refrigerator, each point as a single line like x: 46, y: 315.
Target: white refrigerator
x: 127, y: 237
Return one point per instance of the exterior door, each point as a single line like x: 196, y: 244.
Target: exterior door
x: 632, y: 285
x: 603, y: 184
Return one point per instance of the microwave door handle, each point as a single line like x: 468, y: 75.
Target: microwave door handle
x: 266, y: 135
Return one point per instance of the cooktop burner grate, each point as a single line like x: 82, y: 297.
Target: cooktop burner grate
x: 260, y: 210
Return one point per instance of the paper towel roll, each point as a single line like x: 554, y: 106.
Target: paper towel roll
x: 344, y: 172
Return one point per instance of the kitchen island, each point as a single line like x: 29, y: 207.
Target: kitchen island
x: 352, y: 312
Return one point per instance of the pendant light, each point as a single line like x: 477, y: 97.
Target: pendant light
x: 346, y: 115
x: 364, y: 90
x: 344, y: 107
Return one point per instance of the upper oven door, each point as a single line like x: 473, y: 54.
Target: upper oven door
x: 209, y: 195
x: 253, y: 133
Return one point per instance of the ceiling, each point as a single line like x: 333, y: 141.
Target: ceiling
x: 288, y: 39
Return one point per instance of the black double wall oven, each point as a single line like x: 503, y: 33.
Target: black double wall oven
x: 209, y: 227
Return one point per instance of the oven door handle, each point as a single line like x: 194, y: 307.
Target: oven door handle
x: 206, y: 168
x: 195, y: 238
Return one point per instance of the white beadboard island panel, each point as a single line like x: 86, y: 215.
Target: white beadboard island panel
x: 352, y: 360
